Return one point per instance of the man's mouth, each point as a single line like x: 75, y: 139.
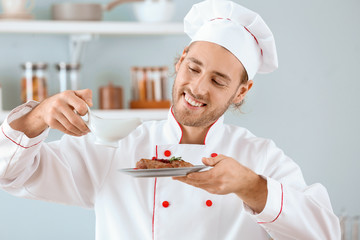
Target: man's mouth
x: 192, y: 101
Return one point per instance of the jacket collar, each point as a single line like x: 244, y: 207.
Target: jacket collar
x: 176, y: 131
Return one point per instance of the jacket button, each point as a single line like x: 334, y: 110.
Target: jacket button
x: 165, y: 204
x: 209, y: 203
x: 167, y: 153
x: 213, y: 155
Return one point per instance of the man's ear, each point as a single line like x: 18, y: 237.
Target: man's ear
x: 181, y: 59
x: 242, y: 91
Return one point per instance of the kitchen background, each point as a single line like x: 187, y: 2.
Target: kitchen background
x: 309, y: 106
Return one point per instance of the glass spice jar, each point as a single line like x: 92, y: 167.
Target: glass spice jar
x: 34, y: 82
x: 69, y: 76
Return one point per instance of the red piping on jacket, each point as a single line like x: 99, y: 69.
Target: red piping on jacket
x: 16, y: 142
x: 209, y: 130
x: 182, y: 131
x: 178, y: 124
x: 282, y: 202
x: 153, y: 216
x: 156, y: 154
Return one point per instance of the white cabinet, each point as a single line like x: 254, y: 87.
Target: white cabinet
x: 88, y: 28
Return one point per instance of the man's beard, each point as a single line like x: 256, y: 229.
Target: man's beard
x: 185, y: 116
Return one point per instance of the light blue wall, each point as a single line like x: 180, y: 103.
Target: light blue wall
x: 309, y: 106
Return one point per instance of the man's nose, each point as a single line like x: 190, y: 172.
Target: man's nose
x: 199, y: 86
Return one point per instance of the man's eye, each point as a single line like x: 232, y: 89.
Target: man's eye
x: 217, y: 83
x: 193, y: 70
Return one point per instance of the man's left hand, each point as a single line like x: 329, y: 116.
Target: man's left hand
x: 229, y: 176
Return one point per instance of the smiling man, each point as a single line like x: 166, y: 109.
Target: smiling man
x: 209, y: 79
x: 252, y: 190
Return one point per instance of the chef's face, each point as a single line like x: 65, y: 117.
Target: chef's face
x: 207, y: 82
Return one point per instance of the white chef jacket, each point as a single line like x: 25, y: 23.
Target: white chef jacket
x: 75, y: 171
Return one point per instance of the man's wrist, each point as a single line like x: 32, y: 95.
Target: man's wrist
x: 255, y: 195
x: 30, y: 124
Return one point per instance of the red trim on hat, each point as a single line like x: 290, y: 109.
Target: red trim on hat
x: 252, y: 35
x: 220, y: 18
x: 255, y: 40
x: 281, y: 208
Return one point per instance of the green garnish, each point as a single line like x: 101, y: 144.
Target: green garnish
x: 175, y: 158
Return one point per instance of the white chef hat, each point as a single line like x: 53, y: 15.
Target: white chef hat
x: 240, y: 30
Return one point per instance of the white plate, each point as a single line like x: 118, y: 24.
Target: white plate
x: 161, y: 172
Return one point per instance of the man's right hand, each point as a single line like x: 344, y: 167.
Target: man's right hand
x: 57, y: 112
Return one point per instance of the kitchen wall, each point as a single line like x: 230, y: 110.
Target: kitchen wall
x: 309, y: 106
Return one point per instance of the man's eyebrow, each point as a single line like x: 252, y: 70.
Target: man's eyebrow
x: 222, y: 75
x: 194, y: 60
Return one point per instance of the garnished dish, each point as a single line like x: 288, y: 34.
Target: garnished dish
x: 154, y: 163
x: 154, y: 167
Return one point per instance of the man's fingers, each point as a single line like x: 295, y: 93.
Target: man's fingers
x: 75, y: 120
x: 201, y: 176
x: 64, y: 122
x: 86, y: 95
x: 75, y: 102
x: 57, y: 125
x: 199, y: 184
x: 198, y: 177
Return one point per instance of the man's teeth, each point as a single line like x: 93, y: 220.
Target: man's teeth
x: 192, y: 102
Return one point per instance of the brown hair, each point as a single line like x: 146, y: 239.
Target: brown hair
x: 243, y: 80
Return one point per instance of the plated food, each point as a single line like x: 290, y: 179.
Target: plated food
x: 174, y: 162
x: 154, y: 167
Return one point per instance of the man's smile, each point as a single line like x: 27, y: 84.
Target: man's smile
x: 191, y: 101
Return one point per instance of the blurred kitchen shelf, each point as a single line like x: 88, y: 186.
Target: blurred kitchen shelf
x: 143, y: 114
x: 90, y: 27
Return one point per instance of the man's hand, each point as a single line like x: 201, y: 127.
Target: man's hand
x: 229, y: 176
x: 57, y: 112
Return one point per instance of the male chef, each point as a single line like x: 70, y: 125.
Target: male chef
x: 252, y: 189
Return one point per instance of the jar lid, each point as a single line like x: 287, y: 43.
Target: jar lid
x: 34, y: 65
x: 67, y: 66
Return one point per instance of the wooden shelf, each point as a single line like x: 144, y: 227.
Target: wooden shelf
x: 150, y: 104
x: 144, y: 114
x: 90, y: 27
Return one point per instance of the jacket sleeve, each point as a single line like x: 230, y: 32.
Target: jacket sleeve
x: 294, y: 210
x: 69, y: 171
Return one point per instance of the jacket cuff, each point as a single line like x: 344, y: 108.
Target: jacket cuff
x: 17, y: 137
x: 273, y: 206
